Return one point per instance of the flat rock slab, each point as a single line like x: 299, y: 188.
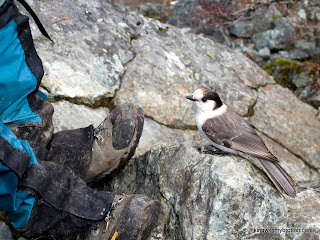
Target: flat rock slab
x: 69, y: 116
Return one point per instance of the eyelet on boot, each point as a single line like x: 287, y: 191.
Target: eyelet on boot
x: 95, y: 232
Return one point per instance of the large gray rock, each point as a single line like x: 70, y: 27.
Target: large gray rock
x: 88, y: 57
x: 302, y: 80
x: 303, y: 49
x: 214, y: 197
x: 278, y: 38
x: 242, y: 29
x: 69, y: 116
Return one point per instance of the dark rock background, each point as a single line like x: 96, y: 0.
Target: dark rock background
x: 280, y: 36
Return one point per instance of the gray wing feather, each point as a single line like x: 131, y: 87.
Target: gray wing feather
x: 233, y: 132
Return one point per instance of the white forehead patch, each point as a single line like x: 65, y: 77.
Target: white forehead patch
x: 198, y: 94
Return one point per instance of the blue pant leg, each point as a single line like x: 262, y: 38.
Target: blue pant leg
x: 16, y: 82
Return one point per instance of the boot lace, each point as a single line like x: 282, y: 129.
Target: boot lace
x: 117, y: 200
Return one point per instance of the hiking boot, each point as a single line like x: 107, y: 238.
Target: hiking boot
x: 131, y: 217
x: 116, y: 140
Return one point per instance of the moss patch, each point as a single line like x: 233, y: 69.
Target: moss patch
x: 163, y: 30
x: 283, y: 71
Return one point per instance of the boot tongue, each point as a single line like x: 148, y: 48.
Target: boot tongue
x: 35, y: 18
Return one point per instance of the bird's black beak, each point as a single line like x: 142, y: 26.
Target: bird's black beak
x: 190, y: 97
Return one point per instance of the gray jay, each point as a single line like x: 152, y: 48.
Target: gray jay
x: 227, y: 131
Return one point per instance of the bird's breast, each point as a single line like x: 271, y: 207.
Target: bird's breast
x: 202, y: 116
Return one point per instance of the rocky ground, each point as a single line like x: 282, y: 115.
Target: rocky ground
x: 103, y: 57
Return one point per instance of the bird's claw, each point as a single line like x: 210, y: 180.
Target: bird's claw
x: 214, y: 151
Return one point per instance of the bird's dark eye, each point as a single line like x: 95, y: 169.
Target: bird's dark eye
x: 204, y: 99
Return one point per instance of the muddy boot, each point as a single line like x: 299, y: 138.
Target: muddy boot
x: 131, y: 217
x: 116, y: 140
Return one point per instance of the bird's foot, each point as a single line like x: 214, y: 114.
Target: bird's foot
x: 213, y: 151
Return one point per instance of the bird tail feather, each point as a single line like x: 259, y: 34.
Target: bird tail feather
x: 279, y: 177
